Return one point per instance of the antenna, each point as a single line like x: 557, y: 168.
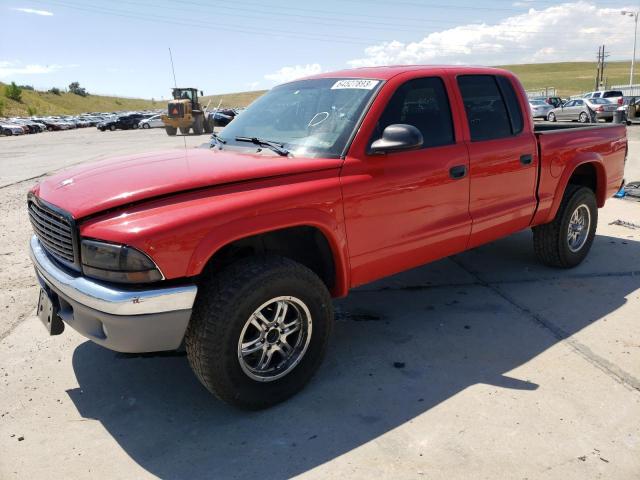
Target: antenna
x: 175, y: 83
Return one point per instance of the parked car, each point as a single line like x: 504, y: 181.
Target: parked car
x: 124, y: 122
x: 152, y: 122
x: 539, y: 108
x: 553, y: 101
x: 8, y: 128
x: 222, y: 118
x: 615, y: 96
x: 324, y: 184
x: 584, y: 110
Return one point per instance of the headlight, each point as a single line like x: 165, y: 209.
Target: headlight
x: 117, y: 263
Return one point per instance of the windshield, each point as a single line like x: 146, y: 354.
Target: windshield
x: 312, y: 118
x: 537, y: 102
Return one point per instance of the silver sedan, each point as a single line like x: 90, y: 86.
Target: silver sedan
x: 584, y: 110
x: 539, y: 108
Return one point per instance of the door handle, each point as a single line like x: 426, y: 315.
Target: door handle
x: 526, y: 159
x: 458, y: 172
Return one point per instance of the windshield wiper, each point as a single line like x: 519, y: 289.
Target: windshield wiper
x: 216, y: 139
x: 276, y: 147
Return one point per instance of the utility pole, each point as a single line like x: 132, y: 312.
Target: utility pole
x: 628, y: 13
x: 598, y: 68
x: 601, y: 66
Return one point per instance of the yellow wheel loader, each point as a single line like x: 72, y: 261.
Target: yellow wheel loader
x: 185, y: 113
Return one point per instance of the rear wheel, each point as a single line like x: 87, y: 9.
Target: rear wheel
x: 208, y: 125
x: 198, y: 126
x: 170, y: 130
x: 566, y: 241
x: 112, y: 127
x: 259, y: 330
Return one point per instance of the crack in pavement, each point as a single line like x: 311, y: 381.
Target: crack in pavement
x: 601, y: 363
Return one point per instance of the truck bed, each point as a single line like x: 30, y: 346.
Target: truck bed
x: 564, y: 147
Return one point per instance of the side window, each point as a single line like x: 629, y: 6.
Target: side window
x: 597, y: 95
x: 423, y: 103
x: 510, y: 97
x: 579, y: 102
x: 486, y: 110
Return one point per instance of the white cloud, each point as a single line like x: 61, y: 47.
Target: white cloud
x: 571, y: 31
x: 286, y: 74
x: 253, y: 85
x: 42, y: 13
x: 13, y: 68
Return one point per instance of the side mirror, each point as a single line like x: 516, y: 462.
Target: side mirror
x: 396, y: 137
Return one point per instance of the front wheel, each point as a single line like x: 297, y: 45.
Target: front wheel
x: 583, y: 118
x: 146, y: 125
x: 112, y: 128
x: 170, y: 130
x: 551, y: 117
x: 566, y: 241
x: 259, y: 330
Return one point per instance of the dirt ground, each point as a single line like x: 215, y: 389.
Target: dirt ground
x: 483, y: 365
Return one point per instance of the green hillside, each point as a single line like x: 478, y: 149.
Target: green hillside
x: 69, y: 103
x: 569, y: 78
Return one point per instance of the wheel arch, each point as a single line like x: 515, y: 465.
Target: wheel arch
x: 309, y: 243
x: 587, y: 171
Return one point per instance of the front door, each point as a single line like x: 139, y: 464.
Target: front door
x: 404, y: 209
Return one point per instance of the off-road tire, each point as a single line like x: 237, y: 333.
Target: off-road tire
x: 170, y: 130
x: 225, y: 302
x: 208, y: 125
x: 550, y: 240
x: 198, y: 127
x: 184, y: 130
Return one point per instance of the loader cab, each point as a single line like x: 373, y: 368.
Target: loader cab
x: 190, y: 94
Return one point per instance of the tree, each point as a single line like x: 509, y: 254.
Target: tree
x: 55, y: 91
x: 13, y: 92
x: 74, y: 87
x: 1, y: 107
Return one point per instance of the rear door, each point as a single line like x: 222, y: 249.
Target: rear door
x: 503, y: 157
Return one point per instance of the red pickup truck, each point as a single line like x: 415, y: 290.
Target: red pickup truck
x: 321, y: 185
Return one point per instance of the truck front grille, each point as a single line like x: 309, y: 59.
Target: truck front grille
x: 54, y: 230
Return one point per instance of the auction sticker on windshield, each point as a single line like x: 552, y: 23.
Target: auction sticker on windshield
x: 361, y: 84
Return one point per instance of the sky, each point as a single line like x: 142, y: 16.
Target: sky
x: 121, y: 47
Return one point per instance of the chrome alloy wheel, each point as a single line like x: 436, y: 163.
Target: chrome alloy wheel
x: 274, y: 339
x: 579, y: 225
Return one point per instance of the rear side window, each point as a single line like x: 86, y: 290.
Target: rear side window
x: 612, y: 93
x: 486, y: 108
x: 423, y: 103
x: 513, y: 106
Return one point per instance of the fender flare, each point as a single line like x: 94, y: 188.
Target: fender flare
x: 580, y: 159
x: 332, y: 229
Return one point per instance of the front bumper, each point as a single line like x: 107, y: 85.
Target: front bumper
x: 124, y: 320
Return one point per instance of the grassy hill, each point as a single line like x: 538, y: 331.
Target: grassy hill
x: 569, y: 78
x: 69, y: 103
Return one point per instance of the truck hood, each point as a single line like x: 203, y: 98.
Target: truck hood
x: 96, y: 187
